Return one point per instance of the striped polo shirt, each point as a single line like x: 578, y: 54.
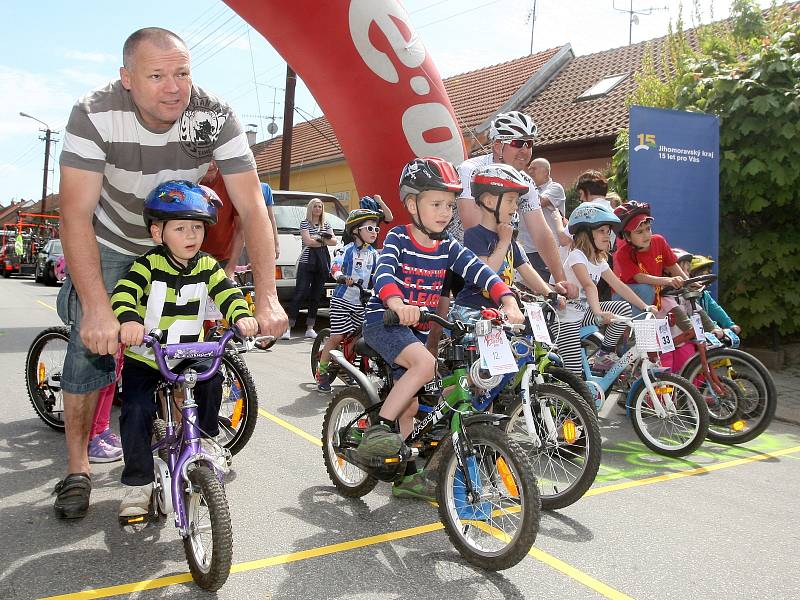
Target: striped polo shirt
x: 161, y: 293
x: 415, y: 273
x: 104, y: 135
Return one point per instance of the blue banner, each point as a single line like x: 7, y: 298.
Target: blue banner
x: 674, y: 165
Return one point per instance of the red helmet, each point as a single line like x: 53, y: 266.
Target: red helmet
x: 632, y: 213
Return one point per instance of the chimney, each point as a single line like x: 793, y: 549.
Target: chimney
x: 251, y: 134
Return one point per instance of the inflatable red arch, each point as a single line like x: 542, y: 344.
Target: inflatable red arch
x: 370, y: 73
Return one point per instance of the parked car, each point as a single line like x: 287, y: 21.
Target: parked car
x: 46, y: 262
x: 290, y: 209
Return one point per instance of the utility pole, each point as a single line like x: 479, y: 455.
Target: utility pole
x: 48, y: 139
x: 288, y: 122
x: 532, y: 18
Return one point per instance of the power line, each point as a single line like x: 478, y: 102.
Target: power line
x: 208, y: 57
x: 189, y: 32
x: 229, y: 19
x: 212, y: 44
x: 458, y: 14
x: 298, y: 110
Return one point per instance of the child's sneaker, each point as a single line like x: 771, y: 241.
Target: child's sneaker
x: 287, y: 335
x: 603, y: 360
x: 323, y: 382
x: 111, y: 438
x: 379, y: 442
x: 102, y: 452
x: 311, y: 334
x: 417, y: 485
x: 136, y: 501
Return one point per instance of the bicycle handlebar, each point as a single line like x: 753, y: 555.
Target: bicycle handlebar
x: 391, y: 318
x: 700, y: 280
x: 213, y: 350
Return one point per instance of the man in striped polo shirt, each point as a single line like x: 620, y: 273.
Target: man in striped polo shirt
x: 150, y: 126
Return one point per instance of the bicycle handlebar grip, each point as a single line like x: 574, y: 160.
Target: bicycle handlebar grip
x: 390, y: 318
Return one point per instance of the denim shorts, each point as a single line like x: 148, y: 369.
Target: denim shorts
x: 83, y: 371
x: 390, y: 341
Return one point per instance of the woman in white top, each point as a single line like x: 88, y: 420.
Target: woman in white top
x: 313, y: 266
x: 591, y: 227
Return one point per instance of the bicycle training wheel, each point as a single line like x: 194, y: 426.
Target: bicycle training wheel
x: 43, y: 367
x: 346, y: 405
x: 758, y: 396
x: 566, y: 462
x: 494, y: 526
x: 209, y: 543
x: 683, y: 428
x: 238, y: 411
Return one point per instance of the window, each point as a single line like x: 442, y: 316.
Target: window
x: 602, y: 87
x: 344, y: 197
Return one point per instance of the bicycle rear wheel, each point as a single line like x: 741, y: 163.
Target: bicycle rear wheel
x: 566, y: 464
x: 209, y: 544
x: 494, y: 528
x: 238, y: 411
x: 44, y: 364
x: 683, y: 428
x: 756, y: 389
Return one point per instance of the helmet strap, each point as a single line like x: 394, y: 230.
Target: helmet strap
x: 496, y: 210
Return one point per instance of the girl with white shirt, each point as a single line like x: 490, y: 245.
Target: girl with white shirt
x: 591, y: 226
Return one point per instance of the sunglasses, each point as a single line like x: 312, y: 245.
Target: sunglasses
x: 371, y: 228
x: 520, y: 143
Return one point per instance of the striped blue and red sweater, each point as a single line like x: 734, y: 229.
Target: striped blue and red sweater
x: 415, y: 273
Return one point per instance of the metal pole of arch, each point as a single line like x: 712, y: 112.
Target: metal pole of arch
x: 288, y: 121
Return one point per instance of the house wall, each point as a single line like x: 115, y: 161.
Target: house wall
x: 566, y: 173
x: 333, y: 178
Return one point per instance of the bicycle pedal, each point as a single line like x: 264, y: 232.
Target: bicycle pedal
x: 134, y: 523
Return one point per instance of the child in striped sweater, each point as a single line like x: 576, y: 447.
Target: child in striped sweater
x: 409, y: 275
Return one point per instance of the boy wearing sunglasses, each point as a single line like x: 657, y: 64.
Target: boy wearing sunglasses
x: 353, y: 264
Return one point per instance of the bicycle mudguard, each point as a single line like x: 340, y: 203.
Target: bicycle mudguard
x: 363, y: 381
x: 490, y: 418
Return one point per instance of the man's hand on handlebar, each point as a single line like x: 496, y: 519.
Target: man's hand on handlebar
x: 131, y: 333
x: 675, y: 282
x: 570, y: 289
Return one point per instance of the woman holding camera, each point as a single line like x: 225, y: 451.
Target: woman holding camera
x: 313, y: 266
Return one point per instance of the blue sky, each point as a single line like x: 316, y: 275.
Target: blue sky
x: 52, y: 52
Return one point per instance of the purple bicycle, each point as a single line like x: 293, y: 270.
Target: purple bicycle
x: 188, y: 479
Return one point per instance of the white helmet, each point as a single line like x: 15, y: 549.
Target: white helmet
x: 512, y: 125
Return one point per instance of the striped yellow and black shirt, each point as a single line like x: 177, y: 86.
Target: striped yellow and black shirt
x: 160, y: 293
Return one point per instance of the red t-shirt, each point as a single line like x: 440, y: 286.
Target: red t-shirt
x: 220, y: 236
x: 651, y: 261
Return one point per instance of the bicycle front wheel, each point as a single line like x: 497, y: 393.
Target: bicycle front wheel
x: 209, y: 543
x: 44, y: 364
x: 685, y: 425
x: 755, y: 386
x: 566, y: 460
x: 238, y: 411
x: 495, y: 525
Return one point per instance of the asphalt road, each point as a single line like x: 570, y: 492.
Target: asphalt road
x: 720, y: 524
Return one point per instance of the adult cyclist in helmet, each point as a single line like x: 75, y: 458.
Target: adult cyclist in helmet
x: 511, y: 135
x: 354, y: 264
x: 168, y: 288
x: 409, y: 276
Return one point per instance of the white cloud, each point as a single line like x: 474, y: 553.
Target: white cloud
x: 45, y: 98
x: 87, y: 78
x: 95, y: 57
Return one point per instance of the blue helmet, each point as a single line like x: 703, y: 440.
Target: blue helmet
x: 181, y: 199
x: 369, y: 203
x: 591, y: 216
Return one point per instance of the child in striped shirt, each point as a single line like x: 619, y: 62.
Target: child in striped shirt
x: 409, y: 275
x: 169, y: 288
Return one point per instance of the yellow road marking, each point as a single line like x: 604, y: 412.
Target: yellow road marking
x: 53, y: 308
x: 578, y: 575
x: 290, y: 427
x: 151, y: 584
x: 689, y: 472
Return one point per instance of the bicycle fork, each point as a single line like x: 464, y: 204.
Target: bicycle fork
x: 547, y: 418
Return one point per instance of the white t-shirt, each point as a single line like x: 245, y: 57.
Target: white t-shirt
x: 577, y: 308
x: 527, y: 203
x: 555, y: 193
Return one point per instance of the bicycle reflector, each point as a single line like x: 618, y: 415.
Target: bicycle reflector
x: 41, y: 373
x: 738, y: 425
x: 569, y: 431
x: 507, y: 477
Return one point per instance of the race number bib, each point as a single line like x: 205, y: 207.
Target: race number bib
x: 212, y: 312
x: 697, y: 323
x: 538, y: 325
x: 496, y: 355
x: 664, y: 336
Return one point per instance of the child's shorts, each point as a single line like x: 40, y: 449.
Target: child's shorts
x: 390, y: 341
x: 345, y: 317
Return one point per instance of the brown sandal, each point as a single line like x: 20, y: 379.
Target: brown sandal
x: 73, y: 493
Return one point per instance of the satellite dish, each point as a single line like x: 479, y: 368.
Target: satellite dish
x: 272, y: 127
x: 635, y: 19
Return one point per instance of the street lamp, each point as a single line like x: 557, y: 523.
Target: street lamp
x: 47, y: 140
